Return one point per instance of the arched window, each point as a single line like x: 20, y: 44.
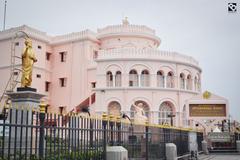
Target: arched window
x: 144, y: 106
x: 109, y: 79
x: 133, y: 78
x: 160, y: 79
x: 118, y: 79
x: 145, y: 78
x: 189, y: 82
x: 182, y: 81
x: 199, y: 84
x: 114, y: 108
x: 170, y: 80
x: 196, y: 83
x: 166, y: 109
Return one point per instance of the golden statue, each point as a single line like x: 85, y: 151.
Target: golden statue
x: 28, y: 59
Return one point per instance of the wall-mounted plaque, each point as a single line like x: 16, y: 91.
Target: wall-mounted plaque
x: 207, y: 110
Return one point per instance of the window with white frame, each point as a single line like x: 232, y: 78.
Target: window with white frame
x: 109, y: 79
x: 145, y: 78
x: 189, y: 82
x: 133, y: 78
x: 118, y: 79
x: 170, y: 80
x: 164, y: 111
x: 182, y: 81
x: 160, y: 79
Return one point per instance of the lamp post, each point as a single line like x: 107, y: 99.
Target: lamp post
x: 171, y: 116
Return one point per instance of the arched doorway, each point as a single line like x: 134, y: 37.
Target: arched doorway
x: 166, y: 109
x: 114, y: 108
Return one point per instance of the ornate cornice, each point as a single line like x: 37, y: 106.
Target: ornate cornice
x: 52, y: 40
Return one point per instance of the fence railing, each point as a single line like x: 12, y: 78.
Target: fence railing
x: 32, y: 135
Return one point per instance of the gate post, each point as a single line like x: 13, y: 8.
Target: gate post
x: 41, y: 130
x: 146, y: 130
x: 104, y: 124
x: 118, y: 130
x: 111, y: 123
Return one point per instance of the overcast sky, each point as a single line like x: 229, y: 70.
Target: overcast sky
x: 202, y: 29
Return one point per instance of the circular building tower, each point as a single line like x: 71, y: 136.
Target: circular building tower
x: 131, y: 70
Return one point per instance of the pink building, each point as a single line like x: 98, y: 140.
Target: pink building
x: 119, y: 65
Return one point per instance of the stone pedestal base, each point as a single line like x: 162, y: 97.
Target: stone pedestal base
x: 171, y: 151
x: 117, y: 153
x: 238, y: 145
x: 24, y: 101
x: 204, y: 147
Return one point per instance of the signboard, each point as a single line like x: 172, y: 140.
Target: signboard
x: 219, y: 137
x: 207, y: 110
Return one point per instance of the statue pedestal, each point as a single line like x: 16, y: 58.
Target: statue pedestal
x: 25, y: 97
x: 21, y: 117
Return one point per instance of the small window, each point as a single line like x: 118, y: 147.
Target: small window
x: 16, y: 43
x: 95, y: 54
x: 15, y: 73
x: 38, y: 75
x: 93, y: 84
x: 63, y: 82
x: 47, y: 84
x: 39, y: 47
x: 63, y: 56
x: 48, y: 55
x: 61, y: 109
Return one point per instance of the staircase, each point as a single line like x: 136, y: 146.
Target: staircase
x: 225, y: 150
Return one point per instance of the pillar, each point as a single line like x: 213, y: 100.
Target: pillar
x: 171, y: 151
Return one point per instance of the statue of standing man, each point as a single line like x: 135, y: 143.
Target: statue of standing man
x: 28, y: 59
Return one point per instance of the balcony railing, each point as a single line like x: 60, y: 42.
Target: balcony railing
x: 150, y: 54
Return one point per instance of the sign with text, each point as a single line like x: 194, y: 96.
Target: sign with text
x: 219, y: 137
x: 207, y: 110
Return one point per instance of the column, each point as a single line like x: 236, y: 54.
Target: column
x: 139, y: 80
x: 114, y: 79
x: 165, y: 81
x: 185, y: 84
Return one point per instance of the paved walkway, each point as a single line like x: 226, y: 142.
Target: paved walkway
x: 220, y: 157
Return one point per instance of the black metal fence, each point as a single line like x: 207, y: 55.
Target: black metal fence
x: 32, y: 135
x: 199, y: 140
x: 237, y: 136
